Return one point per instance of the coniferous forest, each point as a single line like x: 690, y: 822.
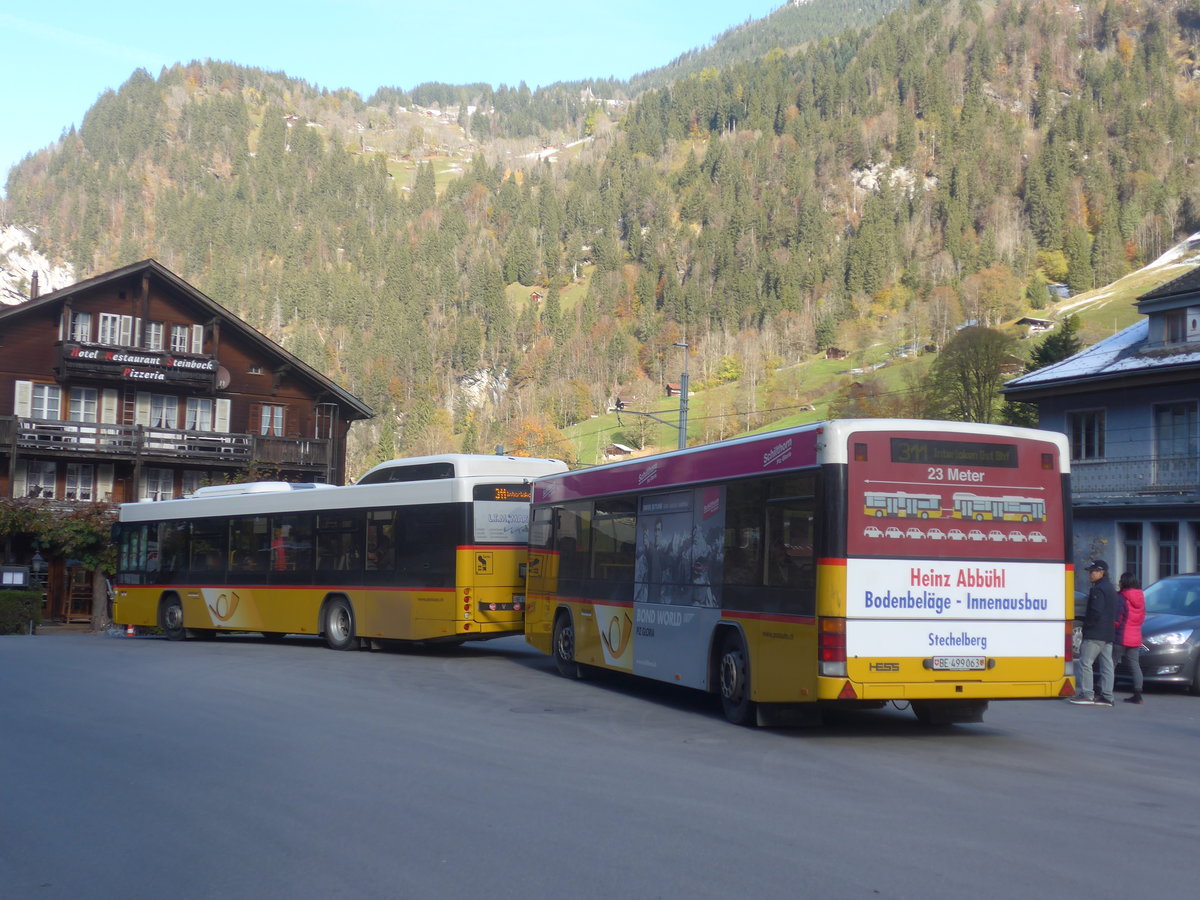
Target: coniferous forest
x: 431, y: 251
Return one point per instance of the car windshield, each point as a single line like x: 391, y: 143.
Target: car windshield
x: 1179, y: 597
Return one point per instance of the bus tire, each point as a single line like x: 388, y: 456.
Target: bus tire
x: 338, y: 626
x: 733, y: 676
x: 564, y: 647
x: 170, y: 617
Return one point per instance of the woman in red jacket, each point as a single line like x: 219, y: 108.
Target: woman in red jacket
x: 1128, y: 642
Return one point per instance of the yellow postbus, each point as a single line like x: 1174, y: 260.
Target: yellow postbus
x: 422, y: 549
x: 757, y: 570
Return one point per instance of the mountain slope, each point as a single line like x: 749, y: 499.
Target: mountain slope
x: 867, y: 192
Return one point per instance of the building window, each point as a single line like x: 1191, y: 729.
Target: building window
x: 40, y: 478
x: 1167, y: 535
x: 1175, y: 445
x: 1131, y: 547
x: 83, y: 404
x: 81, y: 327
x: 81, y: 482
x: 154, y: 336
x: 199, y: 414
x: 164, y: 411
x: 158, y: 484
x: 193, y: 480
x: 1086, y: 432
x: 271, y: 420
x: 1175, y: 326
x: 179, y: 339
x: 47, y: 402
x: 115, y: 331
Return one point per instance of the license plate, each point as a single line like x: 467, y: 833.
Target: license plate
x: 959, y: 663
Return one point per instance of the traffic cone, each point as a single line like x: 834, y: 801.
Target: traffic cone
x: 129, y: 631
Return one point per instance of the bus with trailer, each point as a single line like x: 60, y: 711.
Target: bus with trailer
x: 754, y: 569
x: 429, y: 549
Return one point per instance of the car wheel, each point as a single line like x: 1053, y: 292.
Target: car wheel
x: 1196, y: 673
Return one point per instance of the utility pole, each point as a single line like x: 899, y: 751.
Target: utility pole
x: 683, y: 397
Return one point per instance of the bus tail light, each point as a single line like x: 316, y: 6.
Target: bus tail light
x: 831, y: 647
x: 1069, y: 648
x: 466, y: 603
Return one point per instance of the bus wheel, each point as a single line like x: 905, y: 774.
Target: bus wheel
x: 339, y: 625
x: 564, y: 647
x: 735, y: 682
x: 170, y: 617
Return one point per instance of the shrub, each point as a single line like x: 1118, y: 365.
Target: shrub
x: 18, y: 609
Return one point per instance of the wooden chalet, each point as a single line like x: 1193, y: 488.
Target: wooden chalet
x: 134, y: 385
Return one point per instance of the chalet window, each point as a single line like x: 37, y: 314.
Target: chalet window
x: 158, y: 484
x: 81, y: 482
x: 179, y: 339
x: 1086, y: 431
x: 46, y: 402
x: 84, y: 402
x: 40, y: 478
x: 270, y: 420
x: 1175, y: 444
x: 81, y: 327
x: 164, y: 411
x: 116, y: 331
x: 199, y: 414
x: 154, y: 336
x: 1175, y: 326
x: 193, y: 480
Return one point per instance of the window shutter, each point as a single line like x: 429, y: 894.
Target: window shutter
x: 291, y: 423
x: 125, y: 339
x: 62, y: 325
x: 104, y: 482
x: 197, y: 338
x: 23, y: 400
x: 19, y: 478
x: 141, y: 414
x: 222, y: 418
x: 254, y: 423
x: 108, y: 406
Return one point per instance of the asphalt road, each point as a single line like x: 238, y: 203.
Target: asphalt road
x: 237, y: 768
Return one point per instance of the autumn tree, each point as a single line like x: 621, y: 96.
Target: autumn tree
x: 965, y: 379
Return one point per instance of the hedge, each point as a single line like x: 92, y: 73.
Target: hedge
x: 18, y: 609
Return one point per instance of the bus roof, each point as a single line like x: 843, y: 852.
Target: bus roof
x: 459, y: 465
x: 757, y: 454
x: 270, y: 497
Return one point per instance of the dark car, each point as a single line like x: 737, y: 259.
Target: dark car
x: 1171, y: 635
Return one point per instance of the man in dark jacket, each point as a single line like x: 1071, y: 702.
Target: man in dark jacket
x: 1098, y: 633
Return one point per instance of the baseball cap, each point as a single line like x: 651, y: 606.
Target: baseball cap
x: 1096, y: 565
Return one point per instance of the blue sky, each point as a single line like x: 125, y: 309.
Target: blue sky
x: 57, y: 57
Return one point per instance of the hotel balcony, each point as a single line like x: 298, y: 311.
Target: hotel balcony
x: 77, y: 440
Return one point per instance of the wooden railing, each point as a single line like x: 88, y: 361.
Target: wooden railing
x: 133, y: 441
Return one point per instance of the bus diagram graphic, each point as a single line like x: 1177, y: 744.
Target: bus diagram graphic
x: 963, y: 505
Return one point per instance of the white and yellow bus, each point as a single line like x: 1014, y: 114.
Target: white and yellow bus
x: 757, y: 570
x: 423, y: 549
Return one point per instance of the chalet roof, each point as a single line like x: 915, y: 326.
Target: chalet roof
x: 1121, y: 357
x: 155, y: 269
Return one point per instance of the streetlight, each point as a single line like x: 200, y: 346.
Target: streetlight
x: 683, y: 396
